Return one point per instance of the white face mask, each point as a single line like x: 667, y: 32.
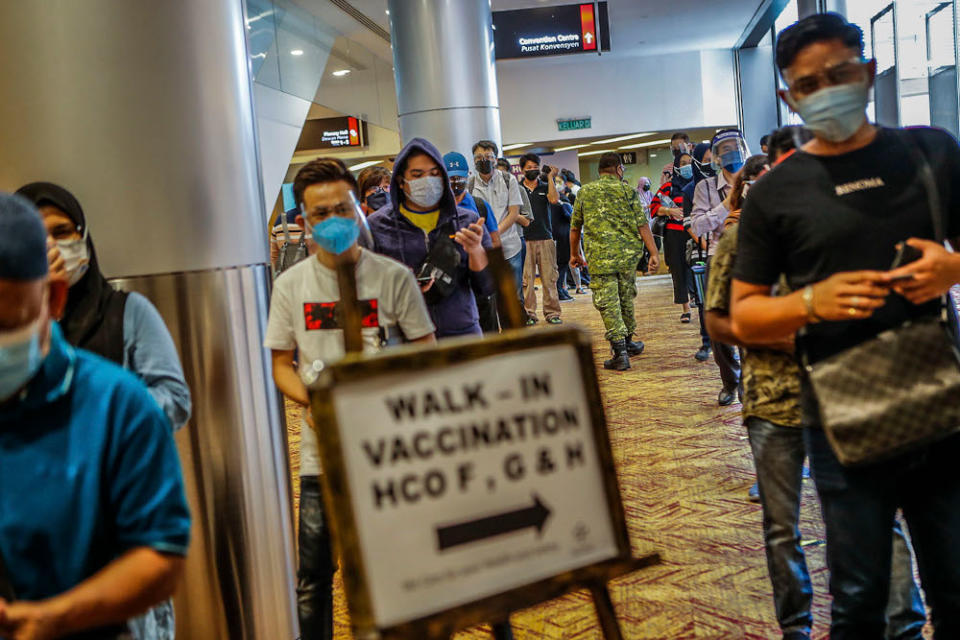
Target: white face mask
x: 426, y: 192
x: 76, y: 255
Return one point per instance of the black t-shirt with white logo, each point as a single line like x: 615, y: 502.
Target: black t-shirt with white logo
x: 814, y: 216
x: 541, y: 227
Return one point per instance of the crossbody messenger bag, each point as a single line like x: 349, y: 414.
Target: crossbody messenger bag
x: 900, y: 390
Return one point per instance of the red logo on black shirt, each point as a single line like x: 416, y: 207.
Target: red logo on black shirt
x: 320, y: 316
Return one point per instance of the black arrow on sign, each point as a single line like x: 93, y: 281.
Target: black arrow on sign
x: 454, y: 535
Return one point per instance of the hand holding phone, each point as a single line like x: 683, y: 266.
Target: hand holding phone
x: 905, y: 255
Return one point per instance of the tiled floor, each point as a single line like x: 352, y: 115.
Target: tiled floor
x: 684, y: 468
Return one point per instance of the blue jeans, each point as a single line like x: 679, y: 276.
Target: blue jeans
x: 516, y: 263
x: 859, y: 507
x: 315, y: 573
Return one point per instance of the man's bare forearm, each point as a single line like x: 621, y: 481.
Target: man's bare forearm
x: 758, y: 318
x: 287, y: 379
x: 126, y: 587
x: 513, y: 212
x: 721, y: 330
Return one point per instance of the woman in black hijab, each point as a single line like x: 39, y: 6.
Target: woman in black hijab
x: 93, y: 319
x: 125, y: 328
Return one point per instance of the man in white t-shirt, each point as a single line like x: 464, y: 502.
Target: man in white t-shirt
x: 502, y: 192
x: 303, y: 331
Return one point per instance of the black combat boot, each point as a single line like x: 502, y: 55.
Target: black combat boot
x: 620, y: 360
x: 634, y: 348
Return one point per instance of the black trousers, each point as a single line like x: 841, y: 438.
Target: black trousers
x: 315, y: 573
x: 675, y: 245
x: 725, y: 357
x: 487, y: 310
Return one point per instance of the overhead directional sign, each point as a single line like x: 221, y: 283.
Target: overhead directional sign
x: 548, y: 31
x: 332, y: 133
x: 466, y: 473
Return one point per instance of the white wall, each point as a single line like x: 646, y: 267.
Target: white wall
x: 620, y: 94
x: 280, y: 118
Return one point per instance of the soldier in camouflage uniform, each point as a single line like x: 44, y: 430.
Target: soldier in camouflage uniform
x: 613, y: 221
x: 771, y: 411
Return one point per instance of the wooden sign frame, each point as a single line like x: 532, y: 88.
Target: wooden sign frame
x: 337, y: 491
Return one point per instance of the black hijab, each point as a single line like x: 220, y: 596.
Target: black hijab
x: 93, y: 319
x: 678, y: 182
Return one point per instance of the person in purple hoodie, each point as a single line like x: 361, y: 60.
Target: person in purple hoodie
x: 444, y: 244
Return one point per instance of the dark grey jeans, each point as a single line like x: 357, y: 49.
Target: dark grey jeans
x: 315, y: 573
x: 778, y: 454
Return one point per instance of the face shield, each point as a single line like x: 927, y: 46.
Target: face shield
x: 729, y: 151
x: 336, y: 228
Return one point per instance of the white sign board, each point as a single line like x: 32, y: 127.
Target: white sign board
x: 473, y: 479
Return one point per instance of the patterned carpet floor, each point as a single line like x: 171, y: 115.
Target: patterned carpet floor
x: 684, y: 466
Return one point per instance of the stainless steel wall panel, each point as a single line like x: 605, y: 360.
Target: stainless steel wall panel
x: 143, y: 109
x: 240, y: 571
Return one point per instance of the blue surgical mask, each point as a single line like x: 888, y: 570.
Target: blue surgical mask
x: 20, y: 358
x: 427, y: 191
x: 835, y: 113
x: 686, y: 172
x: 334, y: 235
x: 732, y: 160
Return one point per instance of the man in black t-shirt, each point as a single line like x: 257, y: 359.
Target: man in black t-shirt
x: 830, y: 218
x: 541, y: 249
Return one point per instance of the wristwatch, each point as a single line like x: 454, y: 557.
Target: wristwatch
x: 808, y: 303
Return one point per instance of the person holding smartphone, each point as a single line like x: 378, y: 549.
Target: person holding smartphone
x: 830, y: 218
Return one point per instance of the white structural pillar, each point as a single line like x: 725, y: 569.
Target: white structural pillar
x: 445, y: 72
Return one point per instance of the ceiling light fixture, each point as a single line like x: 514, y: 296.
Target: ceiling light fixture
x: 652, y: 143
x: 364, y: 165
x: 596, y: 153
x: 341, y: 72
x: 622, y: 138
x: 297, y: 52
x: 517, y: 146
x: 576, y: 146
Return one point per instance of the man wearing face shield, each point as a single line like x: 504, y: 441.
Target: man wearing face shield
x: 830, y: 218
x: 94, y: 524
x: 444, y: 244
x: 304, y: 332
x: 711, y: 206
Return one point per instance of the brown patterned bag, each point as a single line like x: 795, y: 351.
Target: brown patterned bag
x: 899, y: 390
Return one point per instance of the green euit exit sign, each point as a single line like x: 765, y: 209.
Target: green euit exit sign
x: 571, y: 125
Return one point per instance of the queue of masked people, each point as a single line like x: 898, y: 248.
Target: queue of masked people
x: 829, y: 273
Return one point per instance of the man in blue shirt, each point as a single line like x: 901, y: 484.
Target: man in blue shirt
x: 458, y: 171
x: 93, y: 520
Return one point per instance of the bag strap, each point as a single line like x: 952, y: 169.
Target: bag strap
x: 286, y: 229
x: 929, y: 184
x: 936, y: 207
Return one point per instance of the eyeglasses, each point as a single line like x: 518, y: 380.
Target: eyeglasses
x: 344, y: 210
x: 488, y: 156
x: 846, y: 72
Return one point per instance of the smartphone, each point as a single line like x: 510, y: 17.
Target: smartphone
x: 904, y: 278
x: 905, y: 255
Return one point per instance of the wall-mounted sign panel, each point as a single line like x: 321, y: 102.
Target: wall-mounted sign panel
x: 550, y: 31
x: 573, y: 125
x: 333, y: 133
x: 628, y: 157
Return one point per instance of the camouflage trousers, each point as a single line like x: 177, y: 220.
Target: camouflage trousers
x: 613, y: 295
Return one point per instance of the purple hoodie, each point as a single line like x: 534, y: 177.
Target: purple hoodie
x: 400, y: 239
